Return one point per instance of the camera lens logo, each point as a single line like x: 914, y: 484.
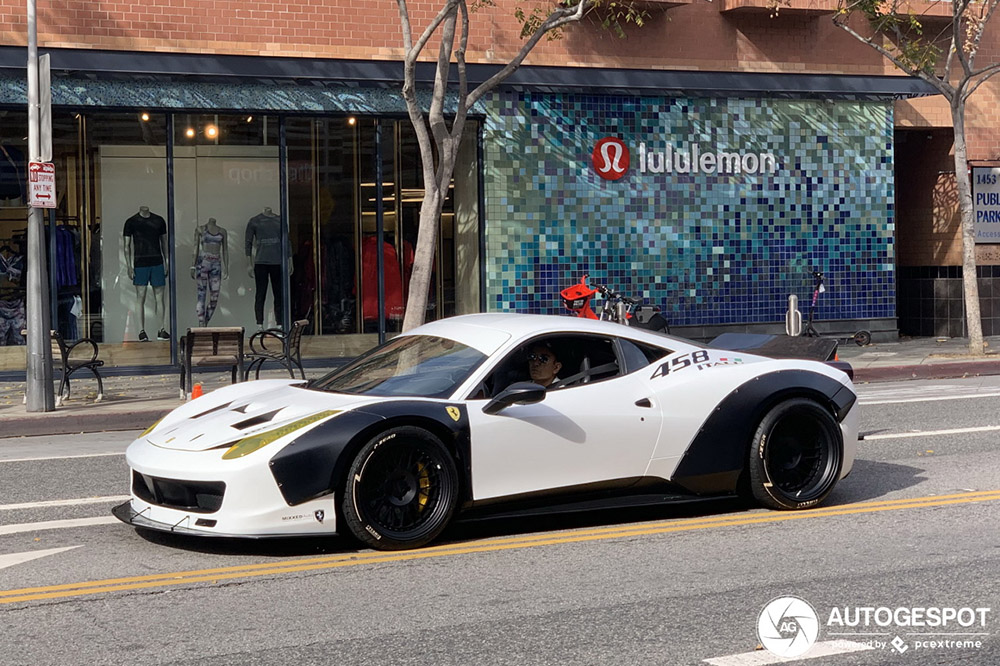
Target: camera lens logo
x: 788, y: 626
x: 610, y: 158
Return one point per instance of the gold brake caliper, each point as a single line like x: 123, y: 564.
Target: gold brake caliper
x: 424, y: 482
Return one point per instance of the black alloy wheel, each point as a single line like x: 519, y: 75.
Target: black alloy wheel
x: 797, y: 455
x: 401, y: 490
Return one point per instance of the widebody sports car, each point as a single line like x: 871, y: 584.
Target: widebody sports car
x: 445, y: 421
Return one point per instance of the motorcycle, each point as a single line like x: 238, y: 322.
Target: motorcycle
x: 616, y: 308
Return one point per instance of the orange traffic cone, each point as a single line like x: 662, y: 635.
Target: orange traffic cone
x: 196, y: 391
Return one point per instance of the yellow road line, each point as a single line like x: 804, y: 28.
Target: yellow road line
x: 492, y: 545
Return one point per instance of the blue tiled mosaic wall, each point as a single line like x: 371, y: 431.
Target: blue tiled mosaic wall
x: 719, y: 248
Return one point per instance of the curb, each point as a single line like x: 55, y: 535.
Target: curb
x: 72, y: 423
x: 957, y: 370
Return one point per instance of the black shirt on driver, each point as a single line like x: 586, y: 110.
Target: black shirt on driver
x: 145, y: 233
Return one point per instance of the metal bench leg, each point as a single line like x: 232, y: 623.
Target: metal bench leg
x: 100, y: 384
x: 64, y: 389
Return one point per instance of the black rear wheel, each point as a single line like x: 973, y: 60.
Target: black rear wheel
x: 797, y: 455
x: 401, y: 490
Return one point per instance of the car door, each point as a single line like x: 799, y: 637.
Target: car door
x: 587, y: 433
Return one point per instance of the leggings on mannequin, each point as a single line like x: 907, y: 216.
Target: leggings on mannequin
x: 262, y: 273
x: 208, y: 278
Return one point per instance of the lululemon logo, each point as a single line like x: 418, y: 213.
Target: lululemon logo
x: 610, y: 158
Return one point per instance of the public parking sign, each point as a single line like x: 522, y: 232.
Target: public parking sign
x: 42, y: 184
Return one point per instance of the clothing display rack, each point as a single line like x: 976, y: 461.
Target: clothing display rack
x: 13, y: 267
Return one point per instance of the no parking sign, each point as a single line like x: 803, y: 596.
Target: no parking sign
x: 42, y: 185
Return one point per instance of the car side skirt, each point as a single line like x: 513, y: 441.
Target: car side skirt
x: 633, y: 491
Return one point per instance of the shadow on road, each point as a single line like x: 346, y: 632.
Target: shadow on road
x: 272, y: 547
x: 509, y: 525
x: 484, y: 527
x: 870, y: 480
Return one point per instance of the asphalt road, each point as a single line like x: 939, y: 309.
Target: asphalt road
x: 915, y: 525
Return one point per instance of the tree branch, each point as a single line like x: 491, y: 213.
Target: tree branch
x: 942, y: 86
x: 436, y: 113
x: 461, y: 110
x: 985, y: 14
x: 556, y: 19
x: 958, y: 44
x: 986, y: 73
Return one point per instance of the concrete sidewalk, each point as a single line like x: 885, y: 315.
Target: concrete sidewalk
x: 135, y: 402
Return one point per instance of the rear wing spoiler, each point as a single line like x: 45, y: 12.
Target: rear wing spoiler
x: 783, y: 346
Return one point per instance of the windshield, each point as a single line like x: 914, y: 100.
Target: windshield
x: 412, y: 365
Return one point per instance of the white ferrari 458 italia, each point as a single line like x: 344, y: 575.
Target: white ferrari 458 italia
x: 453, y: 419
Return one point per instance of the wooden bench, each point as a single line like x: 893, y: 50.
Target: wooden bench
x: 210, y: 346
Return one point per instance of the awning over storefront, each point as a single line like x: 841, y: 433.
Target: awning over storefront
x: 85, y: 63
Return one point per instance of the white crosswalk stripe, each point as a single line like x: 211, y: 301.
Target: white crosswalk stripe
x: 764, y: 658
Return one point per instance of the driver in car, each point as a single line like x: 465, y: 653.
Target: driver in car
x: 543, y: 366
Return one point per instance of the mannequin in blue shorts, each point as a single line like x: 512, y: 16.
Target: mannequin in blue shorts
x: 145, y: 239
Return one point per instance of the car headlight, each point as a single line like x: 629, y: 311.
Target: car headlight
x: 248, y: 445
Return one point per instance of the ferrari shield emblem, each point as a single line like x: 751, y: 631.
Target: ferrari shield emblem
x: 453, y: 413
x: 320, y: 515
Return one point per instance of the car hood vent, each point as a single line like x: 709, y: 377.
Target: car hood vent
x: 213, y: 409
x: 274, y: 405
x: 256, y: 420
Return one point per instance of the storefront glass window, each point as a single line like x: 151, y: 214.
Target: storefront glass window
x: 323, y: 212
x: 13, y: 226
x: 125, y: 165
x: 227, y: 207
x: 67, y: 257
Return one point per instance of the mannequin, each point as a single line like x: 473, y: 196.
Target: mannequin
x: 210, y: 267
x: 263, y: 248
x: 145, y: 242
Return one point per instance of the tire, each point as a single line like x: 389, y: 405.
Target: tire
x: 401, y: 490
x: 796, y: 456
x: 862, y: 338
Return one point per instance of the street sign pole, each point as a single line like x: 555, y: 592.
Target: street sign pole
x: 38, y: 392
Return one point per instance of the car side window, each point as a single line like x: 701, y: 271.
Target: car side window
x: 586, y: 359
x: 583, y: 359
x: 637, y: 355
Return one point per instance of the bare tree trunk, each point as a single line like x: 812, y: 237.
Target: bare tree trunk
x: 423, y: 257
x: 973, y: 319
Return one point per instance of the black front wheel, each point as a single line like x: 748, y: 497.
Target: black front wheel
x: 401, y: 490
x: 797, y: 455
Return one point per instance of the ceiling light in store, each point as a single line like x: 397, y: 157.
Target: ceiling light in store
x: 145, y: 117
x: 190, y: 132
x: 249, y: 119
x: 351, y: 120
x: 211, y: 131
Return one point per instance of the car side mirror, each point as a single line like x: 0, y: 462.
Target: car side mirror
x: 518, y: 393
